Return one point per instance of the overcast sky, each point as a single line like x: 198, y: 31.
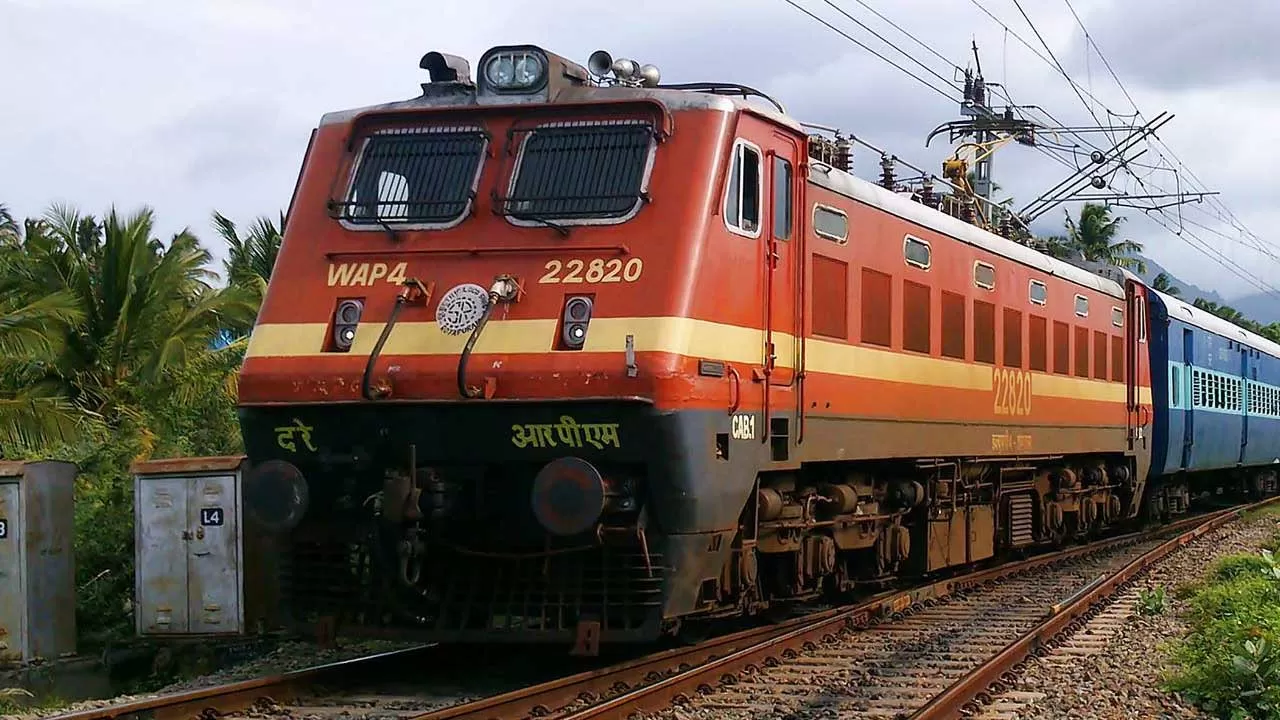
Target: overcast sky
x: 207, y: 104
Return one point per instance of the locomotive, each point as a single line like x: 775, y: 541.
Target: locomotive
x: 561, y: 354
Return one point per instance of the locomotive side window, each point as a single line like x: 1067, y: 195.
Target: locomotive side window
x: 742, y: 199
x: 984, y: 332
x: 584, y: 171
x: 782, y: 209
x: 1117, y: 358
x: 1038, y: 292
x: 423, y: 176
x: 1082, y: 352
x: 953, y: 325
x: 830, y: 223
x: 917, y: 252
x: 1099, y: 355
x: 1082, y: 306
x: 1039, y: 342
x: 984, y: 275
x: 917, y: 323
x: 1061, y: 348
x: 1117, y: 317
x: 1012, y: 338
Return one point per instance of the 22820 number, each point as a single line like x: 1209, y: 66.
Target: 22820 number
x: 1012, y: 391
x: 597, y: 270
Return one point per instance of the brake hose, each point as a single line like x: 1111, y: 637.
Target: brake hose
x: 377, y: 348
x: 463, y: 390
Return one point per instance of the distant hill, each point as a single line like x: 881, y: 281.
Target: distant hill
x: 1188, y: 292
x: 1263, y: 307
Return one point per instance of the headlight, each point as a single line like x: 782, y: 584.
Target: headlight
x: 515, y: 70
x: 345, y: 319
x: 576, y: 318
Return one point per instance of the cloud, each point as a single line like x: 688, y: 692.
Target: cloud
x: 1184, y: 44
x: 207, y: 104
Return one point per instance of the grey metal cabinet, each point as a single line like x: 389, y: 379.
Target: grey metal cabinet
x: 37, y: 560
x: 190, y: 547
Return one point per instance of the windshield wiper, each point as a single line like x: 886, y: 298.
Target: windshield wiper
x: 563, y: 230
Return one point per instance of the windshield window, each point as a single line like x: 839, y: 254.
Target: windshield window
x: 581, y: 171
x: 421, y: 176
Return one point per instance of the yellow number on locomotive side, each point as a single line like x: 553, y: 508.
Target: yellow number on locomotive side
x: 591, y: 272
x: 1012, y: 391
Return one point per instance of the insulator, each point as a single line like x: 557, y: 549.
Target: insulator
x: 887, y: 180
x: 844, y: 155
x: 927, y: 198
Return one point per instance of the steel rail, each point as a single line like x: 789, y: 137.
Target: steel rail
x: 654, y: 682
x: 969, y: 693
x: 647, y: 683
x: 244, y: 694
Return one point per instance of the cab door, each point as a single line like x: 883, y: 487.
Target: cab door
x: 782, y: 263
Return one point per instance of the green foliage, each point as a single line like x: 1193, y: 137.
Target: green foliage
x: 1091, y: 237
x: 1240, y: 565
x: 1229, y: 662
x: 106, y: 357
x: 1151, y: 602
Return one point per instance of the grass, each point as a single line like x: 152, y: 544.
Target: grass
x: 1229, y: 662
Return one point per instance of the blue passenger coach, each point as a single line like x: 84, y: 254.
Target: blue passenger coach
x: 1217, y: 401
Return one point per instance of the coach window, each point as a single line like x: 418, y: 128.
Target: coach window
x: 1082, y: 306
x: 1038, y: 293
x: 917, y: 252
x: 743, y: 196
x: 781, y: 198
x: 830, y: 223
x: 1175, y: 387
x: 984, y: 275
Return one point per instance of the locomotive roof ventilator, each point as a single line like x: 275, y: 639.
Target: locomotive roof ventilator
x: 446, y: 68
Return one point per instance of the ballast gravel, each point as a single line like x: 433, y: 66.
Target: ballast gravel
x: 286, y: 657
x: 1123, y: 679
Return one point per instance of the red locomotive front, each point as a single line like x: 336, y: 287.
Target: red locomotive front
x: 562, y: 355
x: 481, y: 345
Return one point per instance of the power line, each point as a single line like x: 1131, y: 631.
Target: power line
x: 855, y: 41
x: 917, y: 40
x: 1065, y: 74
x: 909, y: 56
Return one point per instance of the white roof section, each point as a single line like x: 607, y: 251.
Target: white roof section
x: 842, y: 182
x: 674, y: 100
x: 1194, y: 316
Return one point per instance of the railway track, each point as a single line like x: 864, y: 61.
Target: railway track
x: 929, y: 652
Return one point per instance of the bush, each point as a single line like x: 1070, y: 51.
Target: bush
x: 1229, y: 663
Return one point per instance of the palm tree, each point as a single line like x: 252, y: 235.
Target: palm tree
x: 32, y: 331
x: 1163, y: 284
x: 1226, y: 312
x: 250, y: 259
x: 253, y: 257
x: 9, y: 230
x: 1092, y: 237
x: 148, y: 308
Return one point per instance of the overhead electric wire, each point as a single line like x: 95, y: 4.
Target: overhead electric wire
x: 1226, y: 216
x: 855, y: 41
x: 904, y: 53
x: 915, y: 39
x: 1056, y: 63
x: 1159, y: 213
